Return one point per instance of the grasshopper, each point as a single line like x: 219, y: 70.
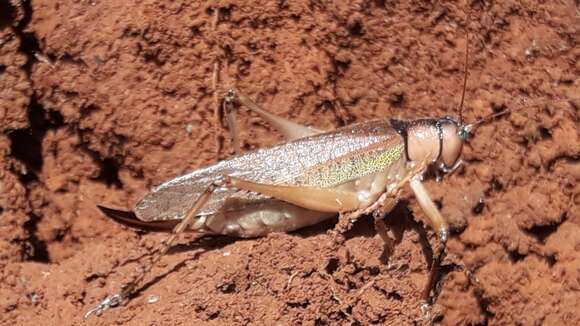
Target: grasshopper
x: 315, y: 175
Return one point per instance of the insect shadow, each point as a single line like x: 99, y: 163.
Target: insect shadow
x: 198, y: 246
x: 399, y: 221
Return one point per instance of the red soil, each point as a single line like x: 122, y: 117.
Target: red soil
x: 101, y: 100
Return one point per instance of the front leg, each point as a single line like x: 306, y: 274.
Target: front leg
x: 441, y: 227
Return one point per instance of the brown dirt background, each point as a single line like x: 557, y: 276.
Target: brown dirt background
x: 101, y: 100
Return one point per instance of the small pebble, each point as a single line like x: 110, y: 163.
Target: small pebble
x: 34, y: 298
x: 152, y: 299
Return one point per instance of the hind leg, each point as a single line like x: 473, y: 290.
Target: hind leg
x: 129, y: 288
x: 289, y: 129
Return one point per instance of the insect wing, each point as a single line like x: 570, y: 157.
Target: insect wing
x: 297, y: 163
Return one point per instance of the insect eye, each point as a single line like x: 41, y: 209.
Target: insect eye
x: 463, y: 133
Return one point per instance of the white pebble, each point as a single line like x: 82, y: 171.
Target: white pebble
x: 152, y: 299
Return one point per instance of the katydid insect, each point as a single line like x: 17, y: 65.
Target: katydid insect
x: 351, y: 171
x: 354, y: 170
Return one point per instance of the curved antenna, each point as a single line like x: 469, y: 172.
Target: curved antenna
x: 470, y: 126
x: 465, y: 130
x: 465, y: 70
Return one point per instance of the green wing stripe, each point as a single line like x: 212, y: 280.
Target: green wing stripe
x: 352, y: 167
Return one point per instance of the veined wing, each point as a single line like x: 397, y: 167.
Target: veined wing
x: 337, y: 156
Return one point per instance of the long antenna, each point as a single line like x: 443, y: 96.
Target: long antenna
x: 465, y: 72
x: 465, y: 130
x: 490, y: 117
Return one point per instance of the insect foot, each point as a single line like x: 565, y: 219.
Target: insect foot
x: 230, y: 96
x: 104, y: 305
x: 428, y: 314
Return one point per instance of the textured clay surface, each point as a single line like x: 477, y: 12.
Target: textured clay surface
x: 100, y: 100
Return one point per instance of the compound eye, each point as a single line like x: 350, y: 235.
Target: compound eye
x: 464, y: 132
